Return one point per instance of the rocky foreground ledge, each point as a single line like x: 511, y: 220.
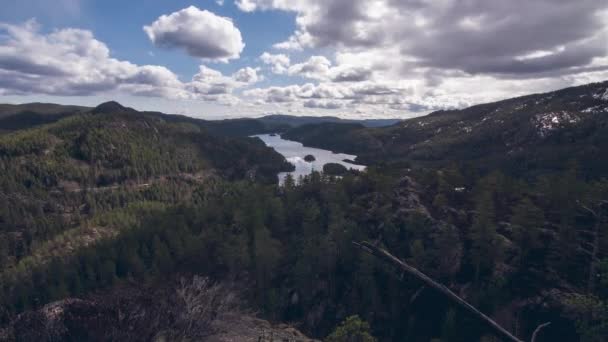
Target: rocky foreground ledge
x: 198, y: 311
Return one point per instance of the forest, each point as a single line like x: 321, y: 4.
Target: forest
x: 96, y: 203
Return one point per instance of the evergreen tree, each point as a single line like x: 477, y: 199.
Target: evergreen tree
x: 486, y: 248
x: 527, y: 222
x: 352, y: 329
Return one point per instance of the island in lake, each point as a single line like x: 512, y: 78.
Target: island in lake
x: 334, y: 169
x: 296, y: 154
x: 309, y: 158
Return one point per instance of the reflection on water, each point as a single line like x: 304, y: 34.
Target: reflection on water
x: 295, y: 152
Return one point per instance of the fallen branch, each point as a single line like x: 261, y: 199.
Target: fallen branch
x: 387, y: 257
x: 538, y: 329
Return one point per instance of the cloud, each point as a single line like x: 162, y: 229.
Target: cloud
x: 246, y: 5
x: 71, y: 62
x: 246, y: 75
x: 408, y: 57
x: 316, y: 67
x: 209, y: 82
x: 329, y: 95
x: 323, y: 104
x: 200, y: 33
x: 279, y: 63
x: 476, y: 36
x: 351, y: 74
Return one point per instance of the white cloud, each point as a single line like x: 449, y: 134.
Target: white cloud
x: 279, y: 63
x: 200, y: 33
x: 411, y: 57
x: 246, y: 5
x: 316, y: 67
x: 247, y: 75
x: 209, y: 82
x: 71, y: 62
x: 323, y: 104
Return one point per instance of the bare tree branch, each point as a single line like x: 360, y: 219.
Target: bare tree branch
x: 417, y: 293
x: 537, y: 330
x: 384, y: 255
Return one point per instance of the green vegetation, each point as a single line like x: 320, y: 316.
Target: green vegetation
x: 309, y: 158
x: 334, y: 169
x: 523, y: 137
x: 96, y: 201
x: 353, y: 329
x: 294, y: 246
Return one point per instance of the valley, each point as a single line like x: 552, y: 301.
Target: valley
x: 128, y: 216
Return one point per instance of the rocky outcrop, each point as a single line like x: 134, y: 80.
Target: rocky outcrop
x: 194, y: 310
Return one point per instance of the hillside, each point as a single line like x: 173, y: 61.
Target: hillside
x: 103, y: 205
x: 15, y: 117
x: 297, y: 121
x: 534, y: 133
x: 59, y: 177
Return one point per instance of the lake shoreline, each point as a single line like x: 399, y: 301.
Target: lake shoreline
x: 295, y: 152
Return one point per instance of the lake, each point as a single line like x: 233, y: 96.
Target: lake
x: 295, y: 152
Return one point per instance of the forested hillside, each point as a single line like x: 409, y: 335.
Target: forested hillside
x: 525, y: 135
x: 14, y: 117
x: 83, y: 179
x: 503, y: 204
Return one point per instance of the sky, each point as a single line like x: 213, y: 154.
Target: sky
x: 247, y: 58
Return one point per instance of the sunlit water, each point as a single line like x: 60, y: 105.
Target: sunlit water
x: 295, y: 152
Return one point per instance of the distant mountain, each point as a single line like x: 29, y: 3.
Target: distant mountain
x: 530, y: 133
x: 295, y: 121
x: 40, y: 108
x: 111, y: 107
x: 15, y: 117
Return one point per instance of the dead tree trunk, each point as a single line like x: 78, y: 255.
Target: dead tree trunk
x: 594, y: 244
x: 389, y: 258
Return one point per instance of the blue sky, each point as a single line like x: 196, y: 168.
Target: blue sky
x: 350, y: 58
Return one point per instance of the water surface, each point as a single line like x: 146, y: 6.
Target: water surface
x: 295, y: 152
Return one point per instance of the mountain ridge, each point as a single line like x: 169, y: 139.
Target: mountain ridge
x: 571, y: 122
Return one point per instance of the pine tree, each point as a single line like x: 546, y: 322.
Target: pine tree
x: 485, y: 245
x: 527, y: 221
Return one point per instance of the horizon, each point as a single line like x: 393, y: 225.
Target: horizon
x: 250, y: 58
x: 320, y: 114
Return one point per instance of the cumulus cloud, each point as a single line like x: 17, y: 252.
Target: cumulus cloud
x: 209, y: 82
x: 351, y: 74
x: 316, y: 67
x: 328, y: 95
x: 247, y: 75
x: 71, y: 62
x: 323, y: 104
x: 200, y: 33
x: 413, y: 56
x: 477, y: 36
x: 279, y: 63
